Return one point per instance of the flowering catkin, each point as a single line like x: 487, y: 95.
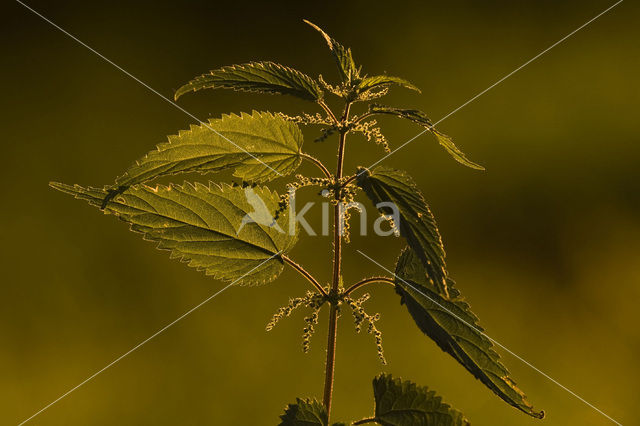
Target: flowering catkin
x: 311, y: 300
x: 360, y: 317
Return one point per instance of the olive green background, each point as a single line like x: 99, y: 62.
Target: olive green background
x: 545, y: 244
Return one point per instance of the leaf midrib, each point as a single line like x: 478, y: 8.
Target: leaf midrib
x: 233, y: 237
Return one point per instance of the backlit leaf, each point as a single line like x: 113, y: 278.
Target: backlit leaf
x: 227, y: 232
x: 305, y: 412
x: 403, y: 403
x: 344, y: 59
x: 259, y: 147
x: 380, y: 81
x: 452, y: 325
x: 421, y: 119
x: 417, y: 224
x: 260, y: 77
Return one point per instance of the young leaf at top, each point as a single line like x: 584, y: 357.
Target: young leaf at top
x: 417, y: 224
x: 226, y: 231
x: 421, y: 119
x: 452, y: 325
x: 260, y: 147
x: 305, y: 412
x: 346, y: 66
x: 260, y: 77
x: 403, y: 403
x: 382, y: 81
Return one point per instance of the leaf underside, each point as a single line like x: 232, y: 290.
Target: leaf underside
x: 417, y: 224
x: 344, y: 59
x: 260, y: 147
x: 421, y: 119
x: 305, y: 412
x: 452, y: 325
x: 260, y: 77
x: 225, y: 231
x: 403, y: 403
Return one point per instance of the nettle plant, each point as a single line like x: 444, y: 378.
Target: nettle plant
x: 243, y: 233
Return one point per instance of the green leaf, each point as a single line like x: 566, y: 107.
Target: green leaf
x: 344, y: 60
x: 417, y: 224
x: 403, y: 403
x: 379, y: 81
x: 226, y: 231
x: 452, y: 325
x: 305, y: 412
x: 260, y: 77
x: 421, y: 119
x: 260, y: 147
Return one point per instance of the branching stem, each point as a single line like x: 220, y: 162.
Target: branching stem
x: 330, y: 113
x: 305, y: 274
x: 364, y: 117
x: 337, y: 261
x: 368, y: 281
x: 351, y: 179
x: 317, y: 162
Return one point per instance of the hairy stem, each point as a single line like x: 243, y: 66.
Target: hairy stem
x: 368, y: 281
x: 351, y: 179
x: 364, y: 116
x: 337, y: 261
x: 343, y: 139
x: 305, y: 274
x: 330, y: 113
x: 317, y: 162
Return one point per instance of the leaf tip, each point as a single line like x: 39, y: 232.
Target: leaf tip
x: 311, y: 24
x: 62, y: 187
x: 320, y: 30
x: 181, y: 91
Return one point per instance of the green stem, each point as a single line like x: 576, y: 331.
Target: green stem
x: 351, y: 179
x: 368, y: 281
x: 364, y: 116
x: 330, y: 113
x: 337, y: 261
x: 305, y: 274
x: 317, y: 162
x: 348, y: 181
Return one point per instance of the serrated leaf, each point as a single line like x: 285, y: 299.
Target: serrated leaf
x: 403, y: 403
x: 417, y: 224
x: 379, y: 81
x: 260, y: 147
x: 261, y: 77
x: 227, y: 232
x: 451, y: 324
x: 305, y: 412
x: 342, y: 55
x: 421, y: 119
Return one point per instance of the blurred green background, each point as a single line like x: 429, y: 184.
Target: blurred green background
x: 545, y: 244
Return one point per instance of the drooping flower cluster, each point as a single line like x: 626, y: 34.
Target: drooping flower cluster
x: 360, y: 317
x: 312, y: 300
x: 372, y: 133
